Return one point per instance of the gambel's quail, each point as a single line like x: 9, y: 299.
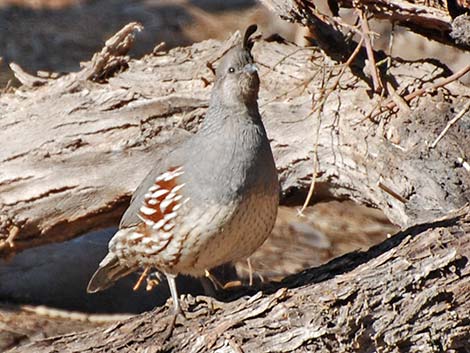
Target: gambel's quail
x: 213, y: 200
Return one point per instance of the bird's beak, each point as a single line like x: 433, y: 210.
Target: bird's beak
x: 250, y: 68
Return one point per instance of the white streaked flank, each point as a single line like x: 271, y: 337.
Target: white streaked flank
x: 149, y: 222
x: 159, y: 224
x: 147, y: 210
x: 169, y: 226
x: 165, y: 203
x: 177, y: 187
x: 170, y: 216
x: 154, y: 187
x: 135, y: 236
x: 159, y: 193
x: 176, y: 207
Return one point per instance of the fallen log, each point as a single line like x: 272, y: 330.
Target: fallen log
x: 412, y: 293
x: 75, y: 148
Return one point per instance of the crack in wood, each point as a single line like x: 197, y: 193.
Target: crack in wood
x: 46, y: 194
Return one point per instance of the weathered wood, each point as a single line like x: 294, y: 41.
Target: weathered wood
x: 428, y: 18
x: 410, y: 293
x: 73, y: 150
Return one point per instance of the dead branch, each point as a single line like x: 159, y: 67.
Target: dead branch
x: 428, y: 18
x: 450, y: 123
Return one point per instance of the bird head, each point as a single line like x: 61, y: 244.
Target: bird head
x: 237, y: 78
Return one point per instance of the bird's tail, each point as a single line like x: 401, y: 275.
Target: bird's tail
x: 110, y: 271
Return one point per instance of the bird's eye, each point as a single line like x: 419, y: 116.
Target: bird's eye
x: 231, y: 70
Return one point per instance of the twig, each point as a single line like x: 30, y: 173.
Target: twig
x: 347, y: 63
x: 378, y: 86
x: 320, y: 108
x: 390, y: 45
x: 285, y: 57
x: 9, y: 241
x: 158, y: 48
x: 112, y: 55
x: 450, y: 123
x: 26, y: 79
x: 390, y: 104
x: 250, y: 269
x: 464, y: 164
x: 303, y: 84
x: 314, y: 176
x: 391, y: 192
x: 444, y: 82
x: 397, y: 99
x: 213, y: 279
x: 420, y: 92
x: 234, y: 345
x: 55, y: 313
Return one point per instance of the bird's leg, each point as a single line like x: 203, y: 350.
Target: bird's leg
x: 153, y: 280
x: 141, y: 279
x: 210, y: 284
x: 250, y: 268
x: 174, y: 294
x: 213, y: 279
x: 176, y: 305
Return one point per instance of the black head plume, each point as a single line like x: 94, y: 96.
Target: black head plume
x: 247, y: 41
x: 237, y: 80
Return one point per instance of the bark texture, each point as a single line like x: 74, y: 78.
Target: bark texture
x: 410, y: 293
x: 432, y: 19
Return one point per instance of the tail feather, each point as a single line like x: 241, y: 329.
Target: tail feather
x: 110, y: 271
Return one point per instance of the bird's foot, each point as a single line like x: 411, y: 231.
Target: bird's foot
x: 172, y: 324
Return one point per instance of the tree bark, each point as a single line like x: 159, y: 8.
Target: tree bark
x: 429, y: 18
x: 410, y: 293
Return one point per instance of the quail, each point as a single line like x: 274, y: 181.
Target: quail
x: 213, y: 199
